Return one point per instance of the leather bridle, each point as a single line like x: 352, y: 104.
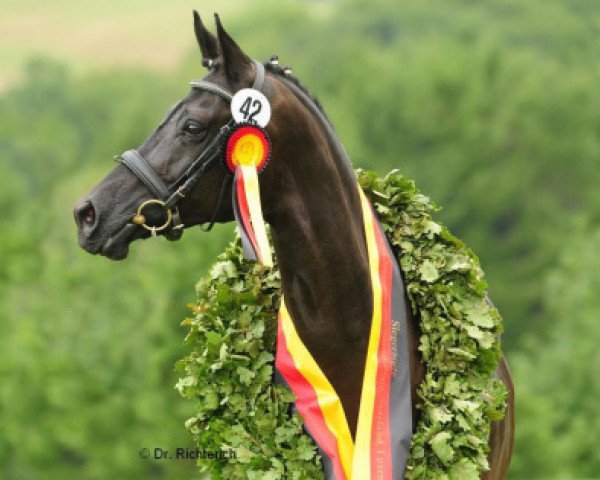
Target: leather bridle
x: 166, y: 196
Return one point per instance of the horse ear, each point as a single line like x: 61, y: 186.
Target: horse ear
x: 235, y: 62
x: 206, y: 40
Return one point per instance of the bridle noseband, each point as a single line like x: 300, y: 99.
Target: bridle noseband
x: 168, y: 196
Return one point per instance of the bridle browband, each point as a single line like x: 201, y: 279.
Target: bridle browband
x: 168, y: 196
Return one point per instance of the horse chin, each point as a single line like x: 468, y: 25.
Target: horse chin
x: 116, y: 247
x: 115, y: 250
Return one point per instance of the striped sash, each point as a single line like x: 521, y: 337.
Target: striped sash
x: 383, y: 435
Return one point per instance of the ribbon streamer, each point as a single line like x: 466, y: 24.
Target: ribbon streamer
x: 246, y: 153
x: 249, y: 217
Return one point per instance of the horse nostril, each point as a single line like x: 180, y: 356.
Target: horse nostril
x: 85, y: 215
x: 89, y: 216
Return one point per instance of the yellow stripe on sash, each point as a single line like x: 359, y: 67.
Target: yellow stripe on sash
x: 256, y: 216
x: 356, y: 457
x: 329, y: 402
x: 361, y: 466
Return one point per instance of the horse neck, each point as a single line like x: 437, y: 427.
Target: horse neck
x: 319, y: 236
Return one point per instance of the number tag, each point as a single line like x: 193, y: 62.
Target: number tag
x: 251, y: 106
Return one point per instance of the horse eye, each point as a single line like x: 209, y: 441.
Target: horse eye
x: 193, y: 128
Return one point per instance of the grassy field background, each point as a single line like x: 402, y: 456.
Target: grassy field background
x: 94, y: 35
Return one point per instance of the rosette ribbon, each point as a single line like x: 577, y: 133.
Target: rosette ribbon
x: 246, y: 154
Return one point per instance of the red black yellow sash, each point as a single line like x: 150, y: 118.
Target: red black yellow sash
x: 384, y: 429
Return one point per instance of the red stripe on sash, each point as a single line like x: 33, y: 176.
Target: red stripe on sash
x: 371, y: 456
x: 244, y: 211
x: 307, y: 404
x: 381, y: 455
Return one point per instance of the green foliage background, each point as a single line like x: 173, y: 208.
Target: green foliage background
x: 492, y: 106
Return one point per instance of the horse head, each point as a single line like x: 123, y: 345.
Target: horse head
x: 175, y: 179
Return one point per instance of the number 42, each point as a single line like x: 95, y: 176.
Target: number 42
x: 245, y: 109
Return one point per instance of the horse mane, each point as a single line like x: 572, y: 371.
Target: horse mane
x: 314, y: 105
x: 284, y: 74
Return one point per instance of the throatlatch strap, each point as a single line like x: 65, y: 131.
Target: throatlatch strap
x: 246, y: 153
x: 259, y: 80
x: 384, y: 428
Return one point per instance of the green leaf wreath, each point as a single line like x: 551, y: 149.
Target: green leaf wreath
x: 232, y: 334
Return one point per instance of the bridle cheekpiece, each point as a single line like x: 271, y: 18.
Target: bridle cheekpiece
x: 166, y: 196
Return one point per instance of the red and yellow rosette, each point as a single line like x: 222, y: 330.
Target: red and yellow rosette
x: 246, y: 154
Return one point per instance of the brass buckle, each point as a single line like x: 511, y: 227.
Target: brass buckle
x: 140, y: 219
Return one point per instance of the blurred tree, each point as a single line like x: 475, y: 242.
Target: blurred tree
x: 557, y: 400
x: 88, y: 346
x: 492, y: 106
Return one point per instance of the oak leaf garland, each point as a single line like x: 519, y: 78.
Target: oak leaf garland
x: 232, y: 334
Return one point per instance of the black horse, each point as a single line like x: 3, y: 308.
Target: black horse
x: 309, y: 198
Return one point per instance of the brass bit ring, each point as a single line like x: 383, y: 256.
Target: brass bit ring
x: 140, y: 219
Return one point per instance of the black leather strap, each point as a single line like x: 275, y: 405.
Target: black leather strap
x: 213, y: 88
x: 171, y: 195
x: 144, y: 171
x: 259, y: 80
